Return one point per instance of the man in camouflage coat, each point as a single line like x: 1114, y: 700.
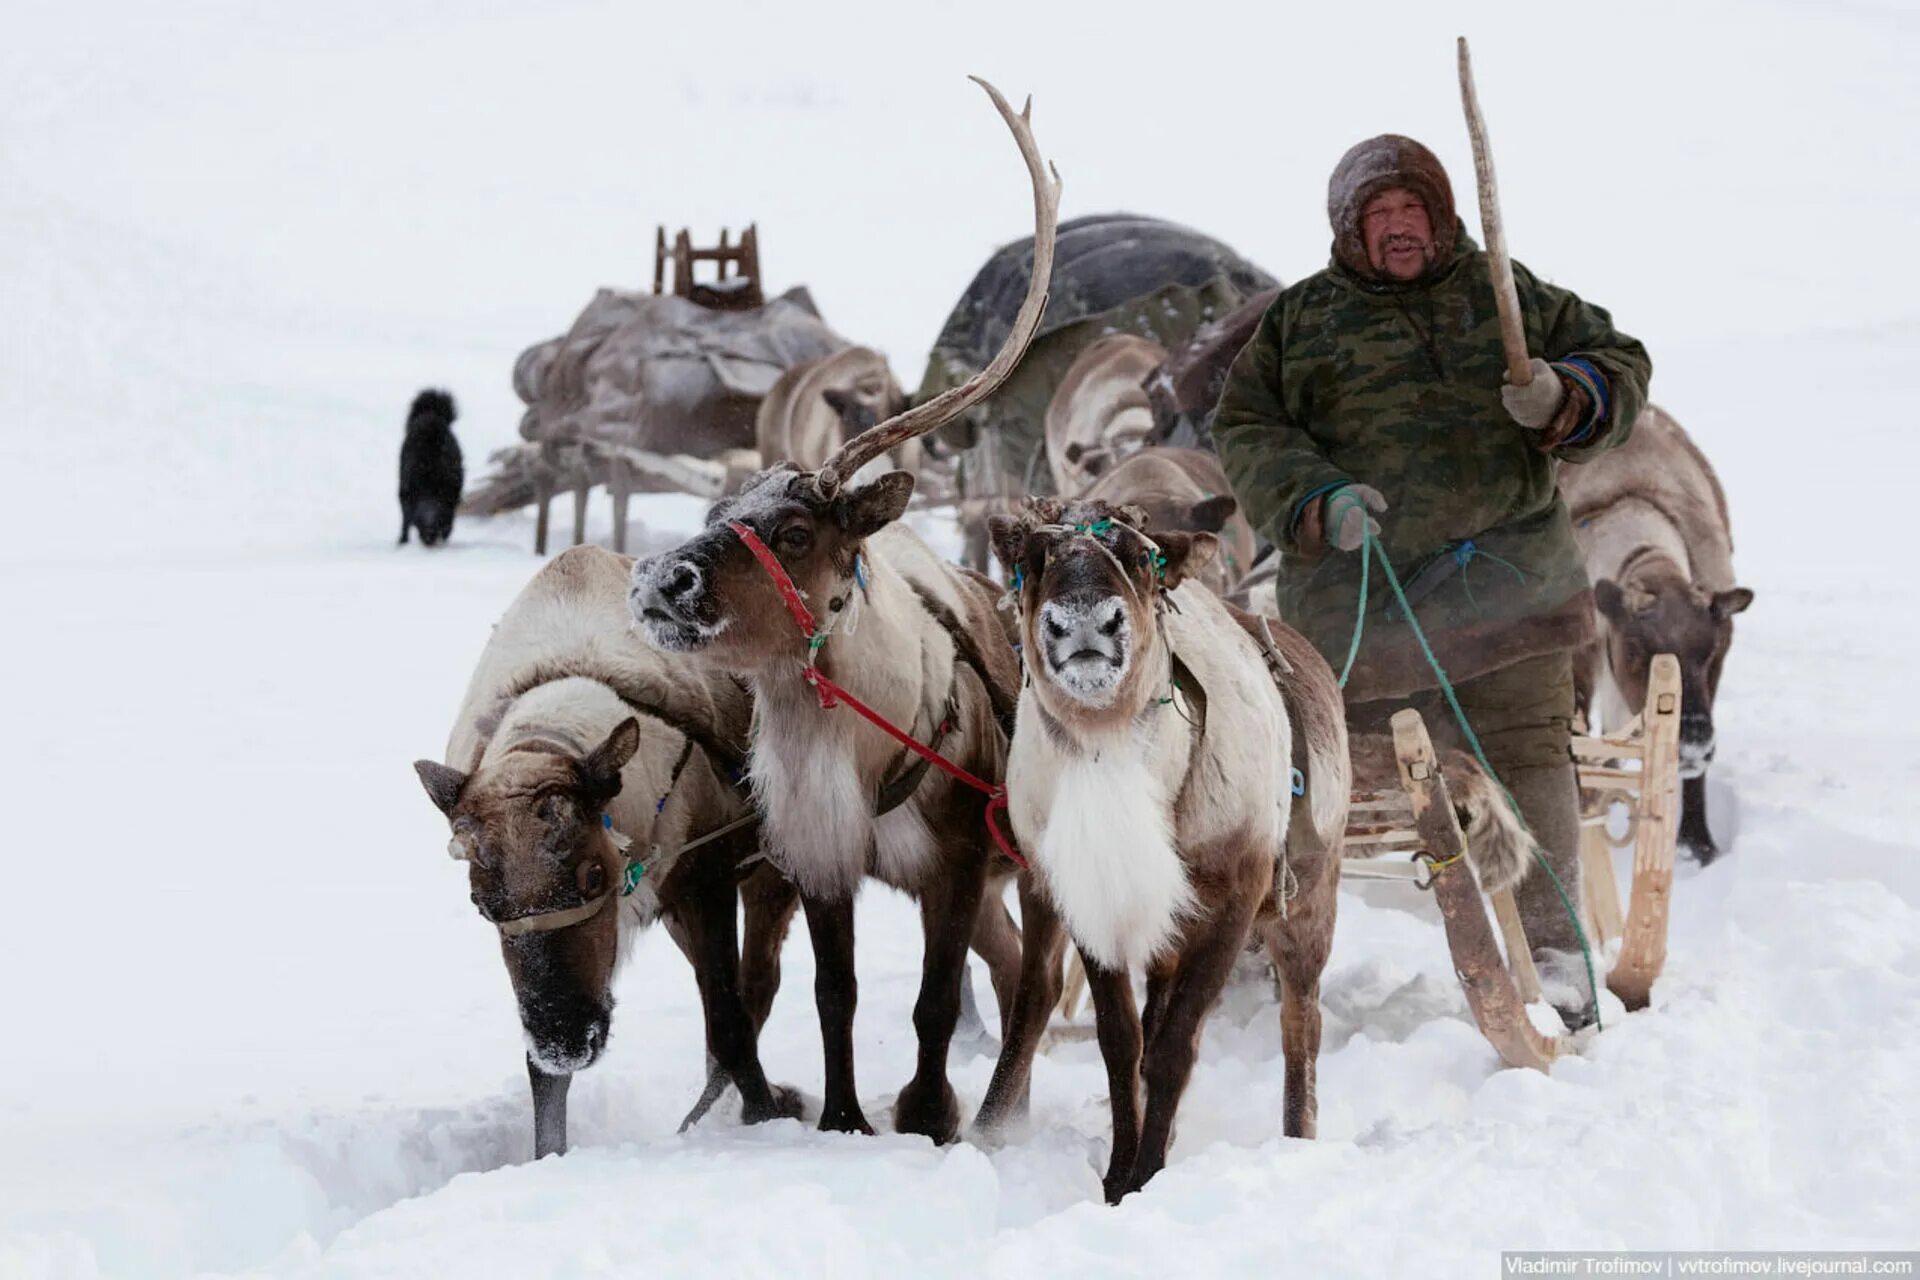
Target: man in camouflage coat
x: 1373, y: 398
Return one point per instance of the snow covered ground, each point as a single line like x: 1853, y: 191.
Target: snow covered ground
x: 251, y: 1023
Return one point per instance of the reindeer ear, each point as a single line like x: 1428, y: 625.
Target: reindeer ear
x: 600, y: 771
x: 853, y: 413
x: 1185, y: 554
x: 1611, y: 601
x: 442, y: 783
x: 1728, y: 603
x: 1007, y: 535
x: 872, y: 507
x: 1213, y: 513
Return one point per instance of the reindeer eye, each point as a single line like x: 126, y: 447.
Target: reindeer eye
x: 592, y: 877
x: 796, y: 539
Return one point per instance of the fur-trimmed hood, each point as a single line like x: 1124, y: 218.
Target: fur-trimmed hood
x: 1377, y: 165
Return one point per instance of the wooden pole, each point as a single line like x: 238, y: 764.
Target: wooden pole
x: 1497, y: 1007
x: 1505, y: 298
x: 1526, y: 978
x: 1643, y: 948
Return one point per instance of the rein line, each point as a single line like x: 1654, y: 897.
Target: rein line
x: 832, y: 695
x: 1370, y: 549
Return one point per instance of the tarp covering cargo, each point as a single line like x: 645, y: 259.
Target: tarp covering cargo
x: 659, y: 372
x: 1112, y: 273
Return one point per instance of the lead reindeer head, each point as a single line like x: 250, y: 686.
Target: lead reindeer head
x: 1091, y: 580
x: 717, y: 596
x: 1656, y: 609
x: 544, y: 868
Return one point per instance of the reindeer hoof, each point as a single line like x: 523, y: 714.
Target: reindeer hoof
x: 1701, y: 849
x: 783, y: 1103
x: 932, y: 1111
x: 845, y: 1119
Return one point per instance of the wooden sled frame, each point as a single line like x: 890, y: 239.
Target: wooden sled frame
x: 1419, y: 819
x: 581, y: 465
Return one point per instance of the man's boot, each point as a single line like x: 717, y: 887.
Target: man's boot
x: 1549, y: 799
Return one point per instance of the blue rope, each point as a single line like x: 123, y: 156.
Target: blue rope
x: 1369, y: 548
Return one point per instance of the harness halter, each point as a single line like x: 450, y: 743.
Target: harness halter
x: 832, y: 695
x: 634, y: 868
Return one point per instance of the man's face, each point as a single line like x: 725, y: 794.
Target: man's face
x: 1398, y: 236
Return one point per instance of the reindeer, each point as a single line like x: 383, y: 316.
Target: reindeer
x: 580, y: 773
x: 1651, y: 519
x: 1150, y: 781
x: 1184, y: 489
x: 815, y: 406
x: 1099, y: 413
x: 921, y: 645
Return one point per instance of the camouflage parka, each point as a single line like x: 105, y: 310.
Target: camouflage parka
x: 1397, y: 385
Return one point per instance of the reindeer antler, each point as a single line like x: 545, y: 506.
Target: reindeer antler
x: 954, y: 401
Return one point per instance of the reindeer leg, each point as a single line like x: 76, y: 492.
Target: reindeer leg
x: 1694, y: 835
x: 996, y: 940
x: 1116, y: 1023
x: 717, y: 1080
x: 770, y: 901
x: 1298, y: 947
x: 1041, y: 943
x: 836, y: 990
x: 1159, y: 987
x: 1202, y: 971
x: 549, y: 1111
x: 948, y: 908
x: 706, y: 913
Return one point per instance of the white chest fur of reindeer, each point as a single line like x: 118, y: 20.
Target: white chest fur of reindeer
x: 815, y: 772
x: 1121, y: 785
x: 1098, y: 820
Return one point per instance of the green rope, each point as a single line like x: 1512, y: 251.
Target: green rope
x: 1370, y: 547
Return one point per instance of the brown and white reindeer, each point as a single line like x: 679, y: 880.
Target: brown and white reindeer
x: 815, y: 407
x: 581, y: 765
x: 804, y: 583
x: 1150, y: 781
x: 1184, y: 489
x: 1651, y: 519
x: 1099, y: 413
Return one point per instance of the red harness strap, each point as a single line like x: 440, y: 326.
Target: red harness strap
x: 775, y: 570
x: 832, y: 695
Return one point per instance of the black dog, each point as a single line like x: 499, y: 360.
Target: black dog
x: 431, y: 473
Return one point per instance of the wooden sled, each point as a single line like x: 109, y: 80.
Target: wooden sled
x: 1419, y: 820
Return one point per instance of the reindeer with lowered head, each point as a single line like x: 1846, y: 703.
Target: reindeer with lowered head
x: 817, y: 405
x: 1652, y: 522
x: 804, y: 582
x: 582, y: 775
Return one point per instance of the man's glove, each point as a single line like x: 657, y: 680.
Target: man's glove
x: 1345, y: 518
x: 1534, y: 405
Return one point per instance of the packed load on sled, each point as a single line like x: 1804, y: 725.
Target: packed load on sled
x: 654, y: 391
x: 1114, y: 273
